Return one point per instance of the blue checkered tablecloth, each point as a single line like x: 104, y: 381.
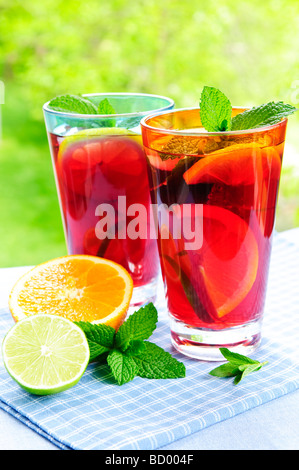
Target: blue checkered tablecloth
x: 149, y: 414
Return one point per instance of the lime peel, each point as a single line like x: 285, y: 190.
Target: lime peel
x: 45, y: 354
x: 96, y: 131
x: 93, y: 133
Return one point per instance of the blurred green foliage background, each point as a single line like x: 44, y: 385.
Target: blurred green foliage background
x: 248, y: 49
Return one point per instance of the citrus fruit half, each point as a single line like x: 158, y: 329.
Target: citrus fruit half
x: 45, y: 354
x: 235, y: 165
x: 77, y: 287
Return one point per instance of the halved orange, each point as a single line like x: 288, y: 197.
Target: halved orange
x: 77, y: 287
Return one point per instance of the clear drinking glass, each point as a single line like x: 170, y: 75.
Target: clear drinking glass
x: 214, y: 196
x: 101, y: 177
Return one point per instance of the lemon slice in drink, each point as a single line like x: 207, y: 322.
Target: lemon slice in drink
x: 97, y: 131
x: 45, y: 354
x: 93, y: 134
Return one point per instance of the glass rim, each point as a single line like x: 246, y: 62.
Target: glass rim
x: 165, y: 108
x: 186, y: 133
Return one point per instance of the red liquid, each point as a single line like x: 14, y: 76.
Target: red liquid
x: 91, y: 171
x: 222, y: 283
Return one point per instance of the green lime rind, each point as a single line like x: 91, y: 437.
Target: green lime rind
x: 89, y: 134
x: 45, y: 354
x: 102, y: 131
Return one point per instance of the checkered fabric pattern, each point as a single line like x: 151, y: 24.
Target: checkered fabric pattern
x: 149, y: 414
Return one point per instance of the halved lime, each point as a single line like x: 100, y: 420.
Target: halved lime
x: 45, y: 354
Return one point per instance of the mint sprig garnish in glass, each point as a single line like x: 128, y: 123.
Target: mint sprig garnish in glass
x: 101, y: 176
x: 214, y: 177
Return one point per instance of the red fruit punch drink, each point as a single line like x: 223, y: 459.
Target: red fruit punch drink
x: 101, y: 176
x: 216, y: 196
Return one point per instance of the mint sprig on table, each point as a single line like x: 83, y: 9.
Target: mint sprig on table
x: 216, y: 110
x: 127, y: 352
x: 238, y: 366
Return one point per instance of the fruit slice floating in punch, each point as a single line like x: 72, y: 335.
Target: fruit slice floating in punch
x: 177, y: 270
x: 217, y: 276
x: 116, y: 152
x: 236, y: 165
x: 228, y: 259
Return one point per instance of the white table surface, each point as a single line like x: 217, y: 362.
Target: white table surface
x: 271, y: 426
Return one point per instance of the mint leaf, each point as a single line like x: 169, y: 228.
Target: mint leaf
x: 139, y: 326
x: 123, y: 367
x: 100, y: 338
x: 155, y: 363
x: 126, y: 352
x: 260, y: 116
x: 236, y: 358
x: 239, y: 366
x: 225, y: 370
x: 215, y: 110
x: 105, y: 107
x: 136, y: 347
x: 231, y: 370
x: 73, y: 104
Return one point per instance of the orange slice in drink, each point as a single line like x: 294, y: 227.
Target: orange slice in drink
x: 177, y: 273
x: 235, y: 165
x: 216, y: 277
x: 77, y: 287
x: 228, y: 259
